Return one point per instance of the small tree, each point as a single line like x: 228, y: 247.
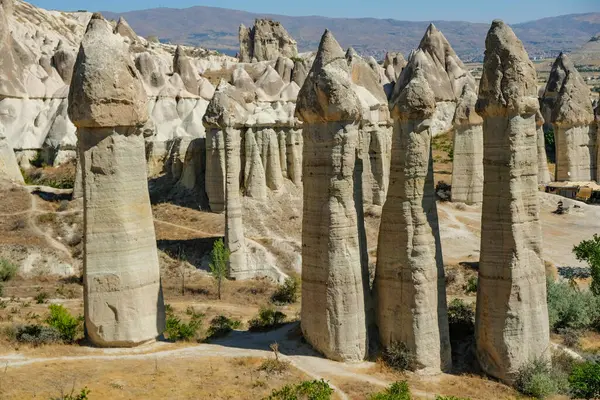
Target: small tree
x: 589, y: 251
x: 218, y: 265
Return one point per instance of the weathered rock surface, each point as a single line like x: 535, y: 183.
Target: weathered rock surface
x: 445, y: 72
x: 9, y: 168
x: 467, y: 162
x: 571, y: 116
x: 512, y: 316
x: 123, y: 302
x: 543, y: 170
x: 226, y: 115
x: 597, y: 123
x: 393, y: 64
x: 409, y: 280
x: 266, y: 41
x: 334, y: 253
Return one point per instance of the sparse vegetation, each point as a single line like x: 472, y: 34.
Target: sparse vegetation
x: 399, y: 357
x: 221, y: 325
x: 8, y: 270
x: 589, y: 251
x: 268, y: 318
x: 471, y: 286
x: 218, y: 265
x: 307, y: 390
x: 537, y: 379
x: 397, y: 391
x: 62, y: 177
x: 288, y: 292
x: 585, y: 380
x: 35, y: 335
x: 82, y: 395
x: 571, y: 308
x: 70, y: 327
x: 461, y: 318
x: 41, y: 297
x: 177, y: 330
x: 450, y: 398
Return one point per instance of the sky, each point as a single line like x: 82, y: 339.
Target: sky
x: 512, y: 11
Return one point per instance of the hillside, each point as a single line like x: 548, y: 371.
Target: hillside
x: 217, y: 28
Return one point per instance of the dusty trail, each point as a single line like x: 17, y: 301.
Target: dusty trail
x: 237, y: 344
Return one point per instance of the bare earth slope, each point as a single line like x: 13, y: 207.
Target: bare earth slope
x: 217, y: 28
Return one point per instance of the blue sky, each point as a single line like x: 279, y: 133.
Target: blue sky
x: 512, y: 11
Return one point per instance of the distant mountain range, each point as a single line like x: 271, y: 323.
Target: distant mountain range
x: 217, y: 28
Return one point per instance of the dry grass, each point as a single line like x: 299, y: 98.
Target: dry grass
x: 172, y: 378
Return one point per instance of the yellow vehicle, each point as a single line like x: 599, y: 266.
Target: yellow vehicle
x: 584, y: 194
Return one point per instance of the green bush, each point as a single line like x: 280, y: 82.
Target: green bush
x: 397, y: 391
x: 41, y: 297
x: 571, y: 308
x: 68, y: 325
x: 221, y: 325
x: 177, y: 330
x: 536, y: 379
x: 589, y: 251
x: 288, y: 292
x: 274, y: 366
x: 307, y: 390
x: 267, y: 319
x: 585, y: 380
x: 37, y: 335
x: 461, y: 319
x: 471, y: 286
x: 399, y: 357
x: 8, y: 270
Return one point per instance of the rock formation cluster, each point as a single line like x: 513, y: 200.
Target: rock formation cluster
x: 123, y: 302
x: 266, y: 41
x: 512, y: 316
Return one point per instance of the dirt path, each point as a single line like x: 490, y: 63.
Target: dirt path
x: 237, y: 344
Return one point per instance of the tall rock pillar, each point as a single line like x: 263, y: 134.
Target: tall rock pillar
x: 467, y: 166
x: 409, y: 279
x: 123, y: 301
x: 225, y: 117
x: 512, y: 315
x: 333, y: 252
x: 543, y: 170
x: 572, y: 117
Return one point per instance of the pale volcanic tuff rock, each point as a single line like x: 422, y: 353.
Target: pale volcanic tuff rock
x: 334, y: 254
x: 225, y: 117
x: 393, y: 64
x: 122, y: 28
x: 543, y: 170
x: 597, y: 124
x: 467, y: 161
x: 445, y: 73
x: 511, y: 325
x: 266, y: 41
x: 409, y: 280
x: 9, y: 168
x: 572, y: 116
x: 123, y: 301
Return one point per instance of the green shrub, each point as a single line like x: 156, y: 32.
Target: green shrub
x: 471, y: 286
x: 536, y: 379
x: 41, y: 297
x: 218, y: 265
x: 68, y: 325
x: 399, y: 357
x: 461, y: 319
x: 397, y: 391
x: 37, y: 335
x: 176, y: 330
x: 585, y: 380
x: 267, y: 319
x: 288, y: 292
x: 8, y: 270
x: 589, y: 251
x: 82, y: 395
x: 221, y: 325
x: 570, y: 308
x: 307, y: 390
x: 274, y: 366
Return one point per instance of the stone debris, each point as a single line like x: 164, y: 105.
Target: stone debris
x: 123, y: 303
x: 511, y: 325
